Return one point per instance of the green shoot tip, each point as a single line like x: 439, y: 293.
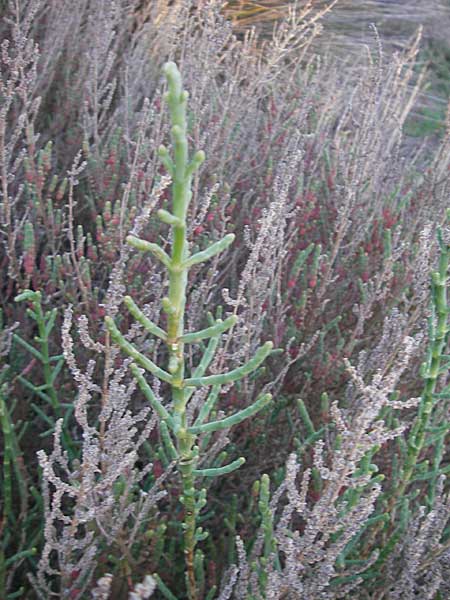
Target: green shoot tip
x: 28, y: 295
x: 170, y: 68
x: 177, y: 132
x: 167, y: 306
x: 199, y: 157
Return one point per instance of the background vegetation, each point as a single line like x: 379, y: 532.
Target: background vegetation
x: 327, y: 156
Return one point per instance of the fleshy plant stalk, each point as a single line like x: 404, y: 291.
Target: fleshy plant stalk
x: 180, y: 436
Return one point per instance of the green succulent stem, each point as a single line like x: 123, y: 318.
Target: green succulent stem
x: 45, y: 324
x: 430, y: 371
x: 141, y: 318
x: 51, y: 365
x: 215, y: 472
x: 216, y: 329
x: 8, y: 453
x: 179, y: 437
x: 432, y: 368
x: 222, y: 378
x: 238, y: 417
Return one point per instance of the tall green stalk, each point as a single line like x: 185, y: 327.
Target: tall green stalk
x: 436, y: 364
x: 174, y: 422
x: 45, y: 323
x: 16, y: 540
x: 51, y: 367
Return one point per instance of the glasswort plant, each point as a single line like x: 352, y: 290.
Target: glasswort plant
x: 175, y: 426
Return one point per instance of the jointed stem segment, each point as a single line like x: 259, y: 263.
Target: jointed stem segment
x: 431, y: 369
x: 174, y: 423
x: 143, y: 320
x: 233, y: 419
x: 209, y: 332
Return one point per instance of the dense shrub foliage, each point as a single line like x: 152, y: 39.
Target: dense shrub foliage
x: 238, y: 257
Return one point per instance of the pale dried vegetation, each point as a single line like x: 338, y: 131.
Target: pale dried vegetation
x: 337, y: 217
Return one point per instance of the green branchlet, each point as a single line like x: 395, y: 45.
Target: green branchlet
x: 178, y: 436
x: 127, y: 347
x: 232, y: 420
x: 8, y: 457
x: 215, y: 472
x: 208, y: 405
x: 268, y: 531
x: 214, y: 249
x: 215, y: 330
x: 136, y: 312
x: 439, y: 329
x: 14, y: 518
x: 51, y: 365
x: 153, y: 400
x: 409, y: 468
x: 223, y: 378
x: 145, y: 246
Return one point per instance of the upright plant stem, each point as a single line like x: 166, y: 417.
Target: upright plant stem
x: 175, y: 307
x: 432, y: 368
x: 430, y: 371
x: 7, y: 430
x: 174, y: 422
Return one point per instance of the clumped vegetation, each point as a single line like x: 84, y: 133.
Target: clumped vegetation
x: 224, y: 314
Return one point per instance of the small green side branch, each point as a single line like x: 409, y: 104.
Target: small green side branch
x: 180, y: 438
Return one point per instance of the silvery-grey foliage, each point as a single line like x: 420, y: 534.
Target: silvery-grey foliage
x: 98, y: 502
